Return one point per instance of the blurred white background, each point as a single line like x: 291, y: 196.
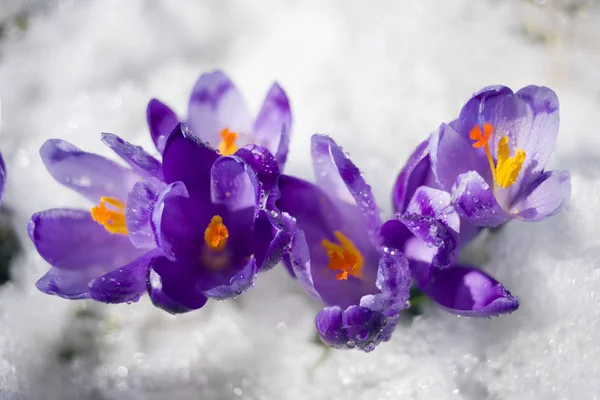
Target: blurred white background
x: 378, y: 76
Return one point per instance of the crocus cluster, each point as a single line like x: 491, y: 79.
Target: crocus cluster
x: 216, y: 210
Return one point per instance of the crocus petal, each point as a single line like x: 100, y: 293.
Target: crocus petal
x: 474, y: 201
x: 71, y: 239
x: 273, y: 123
x: 68, y: 283
x: 545, y: 197
x: 451, y: 155
x: 337, y: 175
x: 434, y: 234
x: 172, y: 286
x: 354, y: 327
x: 416, y: 172
x: 434, y: 203
x: 160, y: 299
x: 125, y: 284
x: 2, y: 176
x: 468, y: 291
x: 234, y: 185
x: 239, y: 282
x: 88, y: 174
x: 494, y: 105
x: 394, y: 234
x: 138, y: 214
x: 271, y: 237
x: 299, y: 258
x: 164, y: 241
x: 141, y: 162
x: 161, y: 121
x: 188, y: 160
x: 263, y: 163
x: 538, y: 139
x: 394, y: 281
x: 431, y: 217
x: 216, y: 104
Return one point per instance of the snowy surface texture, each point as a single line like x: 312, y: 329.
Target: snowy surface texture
x: 378, y: 76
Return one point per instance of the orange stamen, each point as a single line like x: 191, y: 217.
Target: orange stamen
x: 113, y: 219
x: 227, y: 145
x: 344, y: 258
x: 216, y: 234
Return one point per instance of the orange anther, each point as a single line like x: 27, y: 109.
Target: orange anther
x: 344, y: 258
x: 216, y: 234
x: 113, y: 219
x: 227, y: 145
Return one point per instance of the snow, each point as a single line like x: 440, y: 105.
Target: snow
x: 378, y: 76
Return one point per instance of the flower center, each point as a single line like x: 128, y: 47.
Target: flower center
x: 216, y: 234
x: 507, y: 169
x: 344, y: 258
x: 113, y: 218
x: 227, y: 145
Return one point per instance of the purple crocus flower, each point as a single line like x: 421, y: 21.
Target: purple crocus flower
x: 84, y: 246
x: 470, y: 158
x: 210, y: 224
x: 337, y: 252
x: 184, y: 231
x: 217, y: 114
x: 427, y: 230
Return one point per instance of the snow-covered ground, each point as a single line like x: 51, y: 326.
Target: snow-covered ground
x: 378, y: 76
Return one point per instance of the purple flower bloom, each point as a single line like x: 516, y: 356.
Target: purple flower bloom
x: 428, y: 233
x: 492, y: 158
x: 210, y: 224
x: 85, y: 246
x: 190, y: 229
x: 337, y: 254
x: 217, y: 114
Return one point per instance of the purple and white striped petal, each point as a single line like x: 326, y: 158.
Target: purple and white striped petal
x: 273, y: 124
x: 474, y: 201
x: 468, y: 291
x: 545, y: 196
x: 216, y: 104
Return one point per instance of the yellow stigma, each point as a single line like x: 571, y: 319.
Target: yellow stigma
x: 216, y: 234
x: 507, y: 169
x: 344, y: 258
x: 227, y: 145
x: 113, y: 219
